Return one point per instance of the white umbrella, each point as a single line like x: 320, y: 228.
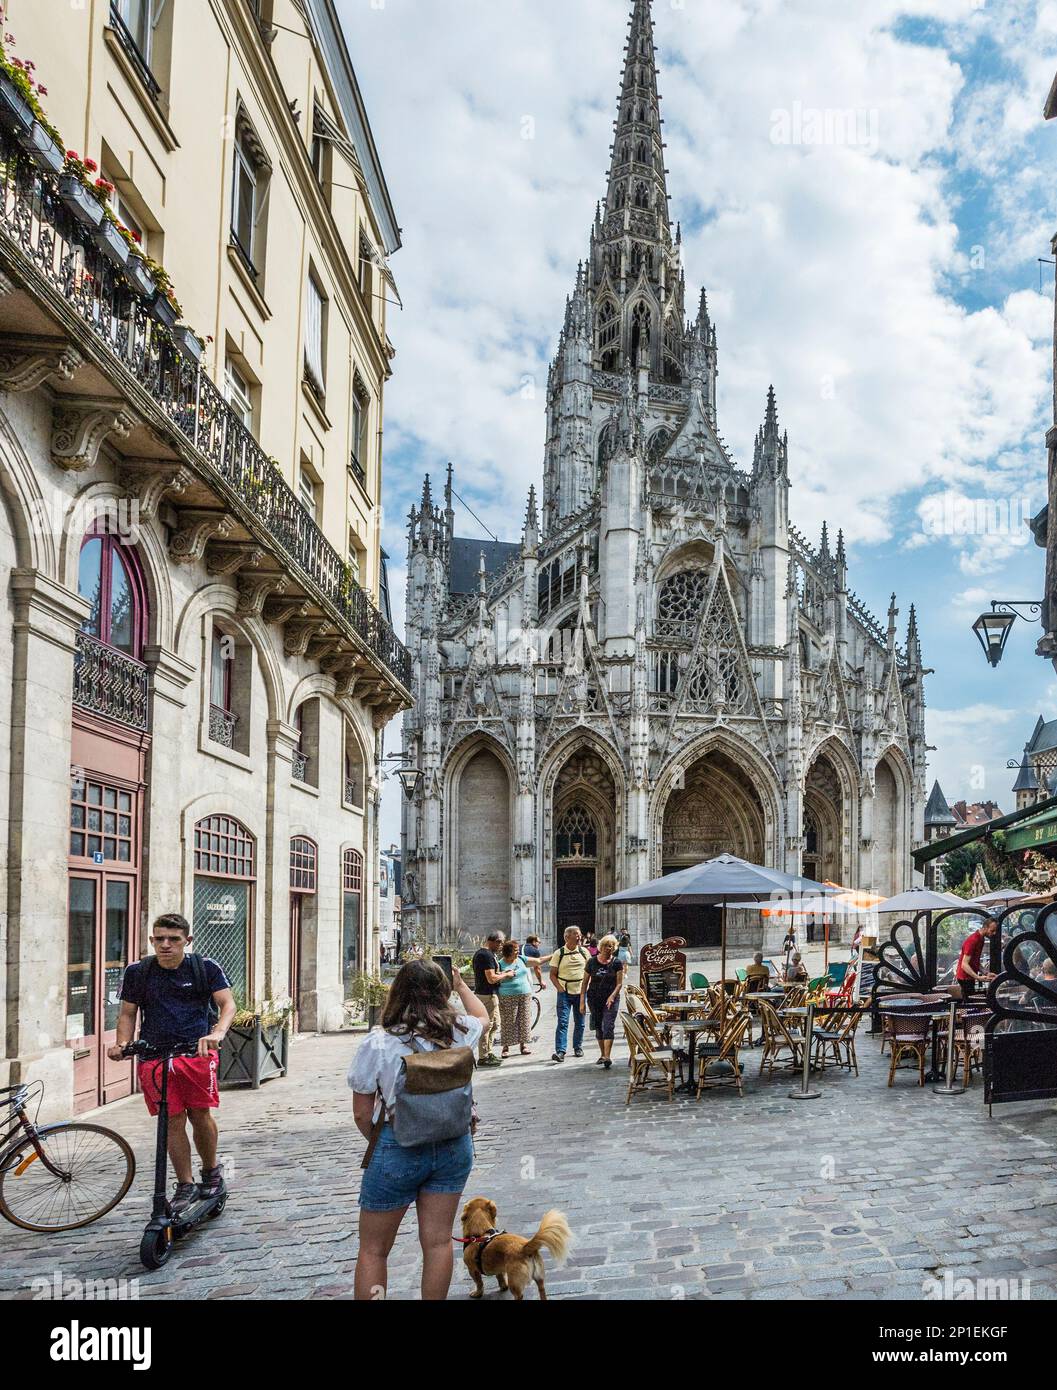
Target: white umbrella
x: 920, y: 900
x: 999, y: 897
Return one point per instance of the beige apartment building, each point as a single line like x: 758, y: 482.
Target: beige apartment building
x: 196, y: 656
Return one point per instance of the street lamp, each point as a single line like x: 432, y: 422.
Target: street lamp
x: 409, y: 776
x: 993, y: 628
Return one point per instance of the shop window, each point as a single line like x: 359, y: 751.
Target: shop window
x: 224, y: 875
x: 351, y: 917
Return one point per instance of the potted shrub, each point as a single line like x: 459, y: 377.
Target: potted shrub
x: 370, y: 993
x: 256, y: 1047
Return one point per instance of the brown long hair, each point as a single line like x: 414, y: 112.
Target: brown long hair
x: 418, y: 1003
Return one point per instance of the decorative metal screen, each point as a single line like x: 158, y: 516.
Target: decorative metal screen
x: 679, y: 604
x: 303, y: 859
x: 221, y: 929
x: 223, y: 846
x: 576, y: 835
x: 102, y: 821
x: 351, y: 913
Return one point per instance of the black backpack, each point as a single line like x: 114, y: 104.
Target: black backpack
x: 200, y: 989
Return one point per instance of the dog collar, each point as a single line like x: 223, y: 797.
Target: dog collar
x: 482, y: 1239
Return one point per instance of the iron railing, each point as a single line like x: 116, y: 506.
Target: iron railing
x: 299, y: 767
x: 109, y: 682
x: 352, y: 797
x: 222, y: 726
x: 38, y: 228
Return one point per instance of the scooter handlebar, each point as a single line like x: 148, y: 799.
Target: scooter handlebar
x: 149, y: 1053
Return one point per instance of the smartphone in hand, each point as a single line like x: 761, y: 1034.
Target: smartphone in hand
x: 445, y: 964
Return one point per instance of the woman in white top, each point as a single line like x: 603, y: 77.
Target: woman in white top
x: 432, y: 1176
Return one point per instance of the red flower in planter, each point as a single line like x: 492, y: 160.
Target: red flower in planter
x: 91, y: 165
x: 42, y: 90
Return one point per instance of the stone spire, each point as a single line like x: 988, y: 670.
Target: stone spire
x: 636, y: 169
x: 530, y: 535
x: 913, y: 641
x: 893, y: 614
x: 770, y: 454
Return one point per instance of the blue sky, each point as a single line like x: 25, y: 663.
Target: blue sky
x: 888, y: 285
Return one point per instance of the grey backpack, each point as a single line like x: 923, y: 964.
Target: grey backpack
x: 433, y: 1097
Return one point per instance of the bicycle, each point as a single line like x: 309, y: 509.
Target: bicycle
x: 62, y: 1176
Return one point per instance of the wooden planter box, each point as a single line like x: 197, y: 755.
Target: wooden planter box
x: 44, y: 151
x: 253, y: 1054
x: 15, y: 112
x: 86, y: 208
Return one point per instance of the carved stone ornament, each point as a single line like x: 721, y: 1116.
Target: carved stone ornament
x: 78, y: 432
x: 149, y: 483
x: 197, y: 529
x: 26, y: 363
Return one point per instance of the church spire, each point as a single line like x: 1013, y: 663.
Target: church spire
x: 636, y: 170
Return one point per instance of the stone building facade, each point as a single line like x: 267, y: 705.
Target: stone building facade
x: 662, y: 667
x: 196, y: 669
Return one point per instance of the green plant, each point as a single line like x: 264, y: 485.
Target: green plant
x: 20, y: 74
x: 272, y: 1013
x: 367, y: 990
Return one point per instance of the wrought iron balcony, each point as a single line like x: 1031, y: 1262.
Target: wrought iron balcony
x: 352, y: 797
x: 40, y: 237
x: 222, y: 726
x: 357, y: 471
x: 299, y: 766
x: 109, y: 683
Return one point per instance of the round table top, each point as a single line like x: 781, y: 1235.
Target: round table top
x: 680, y: 1004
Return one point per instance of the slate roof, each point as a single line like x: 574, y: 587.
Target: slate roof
x: 937, y: 812
x: 466, y: 557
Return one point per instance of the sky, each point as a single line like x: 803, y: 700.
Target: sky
x: 865, y: 190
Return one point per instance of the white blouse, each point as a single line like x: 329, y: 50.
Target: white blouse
x: 376, y: 1064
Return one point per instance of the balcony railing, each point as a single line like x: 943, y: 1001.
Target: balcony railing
x: 42, y: 232
x: 222, y: 726
x: 299, y: 766
x: 357, y: 471
x: 352, y: 793
x: 109, y: 683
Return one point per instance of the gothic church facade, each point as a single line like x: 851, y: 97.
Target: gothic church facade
x: 662, y: 668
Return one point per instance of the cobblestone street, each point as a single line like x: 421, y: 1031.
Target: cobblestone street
x: 865, y: 1193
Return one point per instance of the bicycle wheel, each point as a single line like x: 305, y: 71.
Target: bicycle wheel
x: 97, y: 1167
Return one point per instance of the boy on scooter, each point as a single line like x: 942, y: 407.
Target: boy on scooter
x: 173, y: 995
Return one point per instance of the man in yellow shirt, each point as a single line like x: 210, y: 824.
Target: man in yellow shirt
x: 568, y: 964
x: 756, y: 974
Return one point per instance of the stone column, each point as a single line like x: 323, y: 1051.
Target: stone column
x: 164, y: 873
x: 273, y: 872
x: 47, y: 618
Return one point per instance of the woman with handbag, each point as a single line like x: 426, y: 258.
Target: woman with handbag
x: 412, y: 1102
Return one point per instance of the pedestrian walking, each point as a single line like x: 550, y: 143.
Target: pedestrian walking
x: 418, y: 1017
x: 532, y: 953
x: 600, y: 989
x: 624, y: 950
x: 487, y: 977
x: 568, y: 964
x: 514, y: 993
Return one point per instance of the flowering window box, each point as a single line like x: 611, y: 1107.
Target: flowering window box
x: 85, y: 207
x: 139, y: 277
x: 162, y: 310
x: 112, y: 244
x: 15, y: 110
x: 188, y: 342
x: 45, y: 152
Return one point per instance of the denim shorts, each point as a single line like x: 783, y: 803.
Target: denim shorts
x: 397, y: 1175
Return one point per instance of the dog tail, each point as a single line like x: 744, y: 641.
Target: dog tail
x: 554, y: 1234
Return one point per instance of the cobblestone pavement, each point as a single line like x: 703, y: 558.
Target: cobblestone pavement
x: 865, y: 1193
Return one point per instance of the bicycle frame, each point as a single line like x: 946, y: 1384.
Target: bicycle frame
x: 8, y: 1142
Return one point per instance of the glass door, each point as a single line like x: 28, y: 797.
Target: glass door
x: 98, y: 936
x: 115, y: 938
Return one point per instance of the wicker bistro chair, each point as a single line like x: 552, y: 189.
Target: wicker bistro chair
x: 839, y: 1041
x: 779, y: 1044
x: 795, y: 997
x: 646, y: 1059
x: 908, y: 1035
x: 725, y: 1050
x: 968, y: 1042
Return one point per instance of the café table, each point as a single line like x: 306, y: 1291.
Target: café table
x: 938, y: 1008
x: 673, y: 1006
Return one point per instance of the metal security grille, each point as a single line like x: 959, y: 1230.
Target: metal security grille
x: 221, y: 929
x: 303, y: 859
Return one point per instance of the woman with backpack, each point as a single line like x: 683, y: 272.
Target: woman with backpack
x: 397, y: 1101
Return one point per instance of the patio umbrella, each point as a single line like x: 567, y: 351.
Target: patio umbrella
x: 725, y: 879
x: 841, y: 902
x: 1001, y: 897
x: 920, y: 900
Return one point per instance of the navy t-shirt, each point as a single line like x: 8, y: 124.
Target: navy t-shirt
x: 171, y: 1010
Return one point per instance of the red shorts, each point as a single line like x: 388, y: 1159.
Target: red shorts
x: 192, y: 1084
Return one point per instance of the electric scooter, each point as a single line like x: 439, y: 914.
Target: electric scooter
x: 165, y: 1226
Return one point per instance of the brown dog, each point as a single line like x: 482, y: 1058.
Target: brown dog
x: 513, y: 1260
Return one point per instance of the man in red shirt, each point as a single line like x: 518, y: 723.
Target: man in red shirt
x: 968, y: 973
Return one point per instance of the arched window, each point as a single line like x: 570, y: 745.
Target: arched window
x: 672, y: 350
x: 351, y: 917
x: 643, y: 153
x: 659, y: 442
x: 609, y: 336
x: 620, y: 197
x: 354, y: 771
x: 641, y: 256
x: 642, y: 194
x: 110, y: 578
x: 224, y: 874
x: 576, y: 834
x: 304, y: 857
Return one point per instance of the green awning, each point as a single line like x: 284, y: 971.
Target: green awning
x: 1033, y: 832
